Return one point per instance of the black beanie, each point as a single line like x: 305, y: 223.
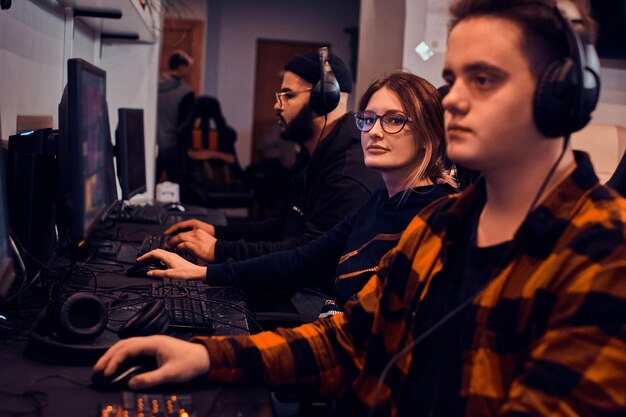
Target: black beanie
x: 307, y: 67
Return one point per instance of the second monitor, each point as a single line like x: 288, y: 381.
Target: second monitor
x: 129, y: 141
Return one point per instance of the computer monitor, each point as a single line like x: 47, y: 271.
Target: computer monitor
x: 6, y: 258
x: 32, y: 172
x: 131, y: 160
x: 85, y: 155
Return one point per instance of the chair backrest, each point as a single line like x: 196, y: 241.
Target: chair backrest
x: 205, y: 139
x: 207, y: 121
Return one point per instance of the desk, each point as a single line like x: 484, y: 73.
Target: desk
x: 65, y: 398
x: 67, y: 390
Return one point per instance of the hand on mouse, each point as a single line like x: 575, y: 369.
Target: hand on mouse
x: 178, y: 361
x: 177, y: 267
x: 192, y: 224
x: 199, y: 242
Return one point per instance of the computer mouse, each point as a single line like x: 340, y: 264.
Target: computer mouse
x: 175, y: 207
x: 125, y: 371
x: 140, y: 269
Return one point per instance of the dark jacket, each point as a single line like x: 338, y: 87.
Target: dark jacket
x: 347, y: 254
x: 332, y: 184
x: 174, y: 104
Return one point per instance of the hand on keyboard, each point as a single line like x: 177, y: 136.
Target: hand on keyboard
x: 198, y: 242
x: 192, y: 224
x: 177, y: 267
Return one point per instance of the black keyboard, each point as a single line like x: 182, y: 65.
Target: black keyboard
x: 151, y: 242
x: 187, y: 304
x: 142, y: 214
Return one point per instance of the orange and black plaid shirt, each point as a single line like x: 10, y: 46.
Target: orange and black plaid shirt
x: 562, y: 293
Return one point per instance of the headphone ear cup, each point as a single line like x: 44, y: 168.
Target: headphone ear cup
x: 324, y: 102
x: 78, y: 318
x: 552, y: 101
x: 151, y: 319
x: 568, y: 91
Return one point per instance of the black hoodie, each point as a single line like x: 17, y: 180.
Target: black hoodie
x: 347, y: 255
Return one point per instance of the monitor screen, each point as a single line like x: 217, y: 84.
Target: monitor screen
x: 6, y: 258
x: 84, y: 147
x: 131, y: 160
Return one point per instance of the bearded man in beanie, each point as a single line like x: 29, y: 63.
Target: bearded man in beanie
x: 328, y: 181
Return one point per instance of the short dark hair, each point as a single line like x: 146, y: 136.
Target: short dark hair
x: 177, y: 59
x: 543, y: 41
x: 421, y: 102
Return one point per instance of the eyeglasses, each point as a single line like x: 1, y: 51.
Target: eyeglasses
x: 288, y: 95
x: 390, y: 122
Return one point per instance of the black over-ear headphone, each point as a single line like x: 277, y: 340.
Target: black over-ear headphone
x: 325, y: 94
x: 568, y: 90
x: 83, y: 316
x: 77, y: 318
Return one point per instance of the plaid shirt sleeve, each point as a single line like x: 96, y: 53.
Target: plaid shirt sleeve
x: 324, y: 356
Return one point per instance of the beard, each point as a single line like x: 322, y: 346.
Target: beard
x: 300, y: 130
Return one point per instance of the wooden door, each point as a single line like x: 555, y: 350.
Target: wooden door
x: 185, y: 34
x: 271, y: 57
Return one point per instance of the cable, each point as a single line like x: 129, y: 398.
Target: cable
x: 20, y: 261
x: 17, y: 243
x: 319, y: 138
x: 63, y: 377
x: 37, y: 399
x: 550, y: 174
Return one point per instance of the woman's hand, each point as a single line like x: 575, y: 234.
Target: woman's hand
x: 177, y: 267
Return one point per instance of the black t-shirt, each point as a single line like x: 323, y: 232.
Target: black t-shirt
x: 434, y: 382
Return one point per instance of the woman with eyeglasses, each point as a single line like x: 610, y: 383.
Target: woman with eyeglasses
x: 402, y: 136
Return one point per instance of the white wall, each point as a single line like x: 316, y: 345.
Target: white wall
x: 33, y: 54
x: 381, y: 50
x: 233, y: 29
x: 31, y: 62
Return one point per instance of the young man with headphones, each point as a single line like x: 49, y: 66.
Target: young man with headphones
x: 329, y: 181
x: 508, y: 299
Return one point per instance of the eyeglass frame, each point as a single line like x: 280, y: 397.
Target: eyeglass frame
x: 356, y: 120
x: 284, y: 93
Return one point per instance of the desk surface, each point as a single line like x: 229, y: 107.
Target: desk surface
x: 65, y: 390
